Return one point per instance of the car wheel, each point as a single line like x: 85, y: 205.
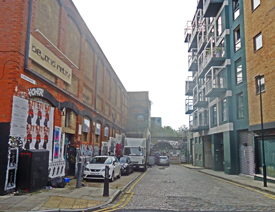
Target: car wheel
x: 128, y: 170
x: 113, y: 177
x: 132, y: 170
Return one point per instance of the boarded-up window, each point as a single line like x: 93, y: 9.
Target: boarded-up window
x: 107, y: 84
x: 72, y: 42
x: 99, y: 103
x: 73, y: 88
x: 107, y: 109
x: 43, y: 72
x: 89, y: 62
x: 118, y: 97
x: 87, y: 95
x: 47, y: 19
x: 100, y: 76
x: 113, y: 91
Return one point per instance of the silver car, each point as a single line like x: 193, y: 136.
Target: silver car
x: 163, y: 160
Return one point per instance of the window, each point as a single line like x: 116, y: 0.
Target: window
x: 214, y: 115
x: 196, y: 156
x: 224, y: 110
x: 255, y: 4
x: 258, y: 42
x: 196, y: 140
x: 237, y: 38
x: 200, y: 157
x: 240, y: 109
x: 260, y: 85
x: 200, y: 140
x: 219, y: 28
x: 239, y: 71
x: 236, y: 9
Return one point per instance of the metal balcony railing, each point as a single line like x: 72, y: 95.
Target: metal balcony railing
x: 189, y: 105
x: 209, y: 53
x: 189, y: 86
x: 192, y: 60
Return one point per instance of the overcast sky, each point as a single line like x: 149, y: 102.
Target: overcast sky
x: 144, y: 42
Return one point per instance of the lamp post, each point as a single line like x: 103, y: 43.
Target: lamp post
x: 258, y: 79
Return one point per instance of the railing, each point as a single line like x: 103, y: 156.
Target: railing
x: 187, y: 30
x: 217, y: 82
x: 210, y: 51
x: 188, y: 104
x: 189, y: 84
x: 192, y: 57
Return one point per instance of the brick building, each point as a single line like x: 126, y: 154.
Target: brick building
x: 259, y: 22
x: 58, y: 90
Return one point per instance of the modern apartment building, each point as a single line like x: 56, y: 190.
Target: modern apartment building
x: 259, y: 22
x: 217, y: 88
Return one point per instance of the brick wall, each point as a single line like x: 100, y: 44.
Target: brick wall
x: 262, y: 61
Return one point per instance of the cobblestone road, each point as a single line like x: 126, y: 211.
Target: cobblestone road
x: 176, y: 188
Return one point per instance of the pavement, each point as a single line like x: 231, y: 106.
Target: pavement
x: 90, y: 196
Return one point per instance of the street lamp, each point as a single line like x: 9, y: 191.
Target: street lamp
x: 258, y: 79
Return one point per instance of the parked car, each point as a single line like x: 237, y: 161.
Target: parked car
x: 127, y: 166
x: 163, y: 160
x: 95, y: 169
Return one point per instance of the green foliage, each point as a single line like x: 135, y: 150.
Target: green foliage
x: 169, y: 131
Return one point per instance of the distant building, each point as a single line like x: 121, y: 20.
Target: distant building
x: 156, y: 121
x: 139, y: 114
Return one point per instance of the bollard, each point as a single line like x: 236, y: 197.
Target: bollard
x: 78, y: 181
x: 106, y: 182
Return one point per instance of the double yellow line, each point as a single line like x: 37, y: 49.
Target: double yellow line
x: 124, y: 200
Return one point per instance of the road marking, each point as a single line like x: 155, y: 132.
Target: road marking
x: 124, y: 200
x: 236, y: 184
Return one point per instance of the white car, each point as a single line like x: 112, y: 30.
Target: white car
x: 95, y: 169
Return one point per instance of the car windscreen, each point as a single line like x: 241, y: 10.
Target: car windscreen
x: 163, y: 157
x: 103, y: 160
x: 133, y: 151
x: 122, y: 160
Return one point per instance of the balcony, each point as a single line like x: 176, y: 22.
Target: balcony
x: 199, y: 4
x: 189, y: 86
x: 199, y: 99
x: 192, y: 60
x: 189, y: 105
x: 211, y: 56
x: 191, y: 123
x: 216, y: 82
x: 200, y: 120
x: 187, y: 31
x: 191, y: 30
x: 211, y: 7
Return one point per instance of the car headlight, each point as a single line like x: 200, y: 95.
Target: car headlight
x: 103, y: 170
x: 86, y: 169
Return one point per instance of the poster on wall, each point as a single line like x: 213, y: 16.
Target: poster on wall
x: 104, y: 148
x: 57, y: 138
x: 39, y: 126
x: 18, y: 117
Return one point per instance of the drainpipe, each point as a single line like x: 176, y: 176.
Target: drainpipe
x: 26, y: 65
